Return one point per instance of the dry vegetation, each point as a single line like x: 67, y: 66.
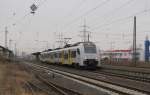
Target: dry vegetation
x: 13, y: 80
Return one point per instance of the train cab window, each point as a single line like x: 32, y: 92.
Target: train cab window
x: 89, y: 48
x: 78, y: 51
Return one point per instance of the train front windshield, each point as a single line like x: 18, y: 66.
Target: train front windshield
x: 89, y: 48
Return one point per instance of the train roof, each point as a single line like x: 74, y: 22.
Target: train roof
x: 66, y: 46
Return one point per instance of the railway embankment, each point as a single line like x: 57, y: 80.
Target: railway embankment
x: 14, y: 80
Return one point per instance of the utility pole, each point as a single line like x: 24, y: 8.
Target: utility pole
x: 16, y: 49
x: 134, y: 42
x: 86, y: 35
x: 6, y: 34
x: 60, y: 40
x: 47, y: 46
x: 10, y: 42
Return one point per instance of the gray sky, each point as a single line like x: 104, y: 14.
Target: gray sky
x: 109, y: 21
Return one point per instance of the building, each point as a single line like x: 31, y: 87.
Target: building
x: 5, y: 53
x: 147, y: 51
x: 122, y: 55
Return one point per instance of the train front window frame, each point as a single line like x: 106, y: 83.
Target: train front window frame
x: 89, y: 48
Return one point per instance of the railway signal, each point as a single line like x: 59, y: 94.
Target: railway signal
x: 33, y: 8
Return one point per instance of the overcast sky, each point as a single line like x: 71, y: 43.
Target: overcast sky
x: 110, y: 22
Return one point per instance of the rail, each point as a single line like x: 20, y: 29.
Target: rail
x: 94, y: 82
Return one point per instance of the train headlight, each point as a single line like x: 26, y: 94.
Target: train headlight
x: 96, y: 58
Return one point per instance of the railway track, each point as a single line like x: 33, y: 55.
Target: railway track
x: 45, y: 88
x: 47, y: 84
x: 127, y: 76
x: 143, y: 76
x: 39, y: 88
x: 118, y: 89
x: 30, y: 88
x: 138, y: 75
x: 57, y: 88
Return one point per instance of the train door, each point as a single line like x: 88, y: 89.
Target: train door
x: 66, y: 55
x: 62, y: 57
x: 73, y: 57
x: 59, y: 57
x: 78, y: 57
x: 69, y: 57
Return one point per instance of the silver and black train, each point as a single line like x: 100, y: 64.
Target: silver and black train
x: 81, y: 54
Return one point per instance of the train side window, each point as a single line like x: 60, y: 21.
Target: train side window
x: 49, y: 55
x: 73, y: 54
x: 78, y: 51
x: 52, y: 55
x: 56, y: 55
x: 66, y: 55
x: 59, y: 54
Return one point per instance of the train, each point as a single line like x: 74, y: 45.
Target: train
x: 81, y: 54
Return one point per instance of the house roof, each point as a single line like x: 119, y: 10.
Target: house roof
x: 120, y: 50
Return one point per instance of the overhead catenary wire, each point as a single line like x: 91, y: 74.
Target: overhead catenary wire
x: 41, y: 3
x: 74, y: 8
x: 28, y: 13
x: 87, y: 12
x: 115, y: 10
x: 18, y: 22
x: 121, y: 19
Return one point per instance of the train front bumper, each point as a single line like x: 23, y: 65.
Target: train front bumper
x: 90, y: 62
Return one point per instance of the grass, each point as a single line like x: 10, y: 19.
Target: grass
x: 13, y: 78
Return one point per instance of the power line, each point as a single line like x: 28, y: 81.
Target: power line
x: 121, y: 19
x: 77, y: 6
x: 60, y: 39
x: 118, y: 8
x: 6, y: 35
x: 85, y: 35
x: 88, y: 12
x: 36, y: 5
x: 17, y: 22
x: 115, y: 10
x: 40, y: 4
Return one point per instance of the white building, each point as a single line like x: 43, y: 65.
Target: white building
x: 122, y: 55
